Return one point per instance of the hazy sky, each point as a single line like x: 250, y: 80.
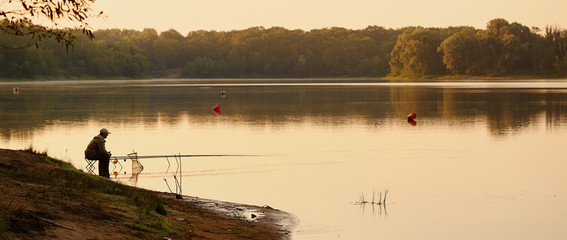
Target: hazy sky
x: 225, y: 15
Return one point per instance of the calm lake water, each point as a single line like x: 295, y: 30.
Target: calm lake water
x: 485, y: 160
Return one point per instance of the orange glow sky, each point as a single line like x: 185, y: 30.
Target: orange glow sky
x: 226, y: 15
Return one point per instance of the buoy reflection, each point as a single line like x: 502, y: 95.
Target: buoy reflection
x: 412, y: 122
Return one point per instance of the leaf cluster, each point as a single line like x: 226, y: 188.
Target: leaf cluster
x: 16, y: 18
x: 503, y: 49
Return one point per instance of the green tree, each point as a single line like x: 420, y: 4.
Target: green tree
x: 505, y: 48
x: 415, y: 53
x: 460, y: 52
x: 168, y: 50
x: 542, y: 55
x: 558, y: 38
x: 203, y: 67
x: 501, y: 49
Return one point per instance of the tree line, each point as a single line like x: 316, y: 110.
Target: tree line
x: 502, y: 49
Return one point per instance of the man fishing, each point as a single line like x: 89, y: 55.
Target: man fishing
x: 96, y: 150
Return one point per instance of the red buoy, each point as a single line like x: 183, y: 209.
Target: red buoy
x: 216, y: 108
x: 412, y: 116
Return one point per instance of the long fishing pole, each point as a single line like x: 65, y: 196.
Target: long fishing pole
x: 190, y: 155
x: 178, y: 187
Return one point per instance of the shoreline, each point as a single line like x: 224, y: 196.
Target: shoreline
x: 463, y: 78
x: 46, y: 198
x: 282, y: 223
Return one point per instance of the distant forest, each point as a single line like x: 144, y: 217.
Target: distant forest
x: 502, y: 49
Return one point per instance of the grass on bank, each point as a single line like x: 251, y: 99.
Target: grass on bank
x: 142, y: 210
x: 70, y: 178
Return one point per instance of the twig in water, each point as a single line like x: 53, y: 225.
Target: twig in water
x: 377, y: 199
x: 385, y: 194
x: 373, y: 194
x: 361, y: 199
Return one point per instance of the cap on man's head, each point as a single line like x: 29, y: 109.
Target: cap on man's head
x: 104, y: 130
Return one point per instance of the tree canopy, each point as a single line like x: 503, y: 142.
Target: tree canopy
x: 502, y: 49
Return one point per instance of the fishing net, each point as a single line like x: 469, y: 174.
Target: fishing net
x: 137, y: 167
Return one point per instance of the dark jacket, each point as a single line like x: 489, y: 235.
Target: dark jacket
x: 96, y: 147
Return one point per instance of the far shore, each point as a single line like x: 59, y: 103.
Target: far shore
x: 456, y: 78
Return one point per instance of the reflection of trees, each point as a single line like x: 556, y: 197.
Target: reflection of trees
x: 506, y: 110
x: 426, y: 102
x: 39, y: 106
x: 333, y: 106
x: 510, y: 110
x: 406, y: 100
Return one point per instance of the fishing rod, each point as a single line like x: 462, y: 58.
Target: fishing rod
x: 186, y: 155
x: 178, y: 187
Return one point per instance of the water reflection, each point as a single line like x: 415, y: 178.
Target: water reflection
x: 118, y: 168
x: 412, y: 122
x: 378, y: 203
x: 504, y: 110
x: 495, y: 147
x: 380, y: 210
